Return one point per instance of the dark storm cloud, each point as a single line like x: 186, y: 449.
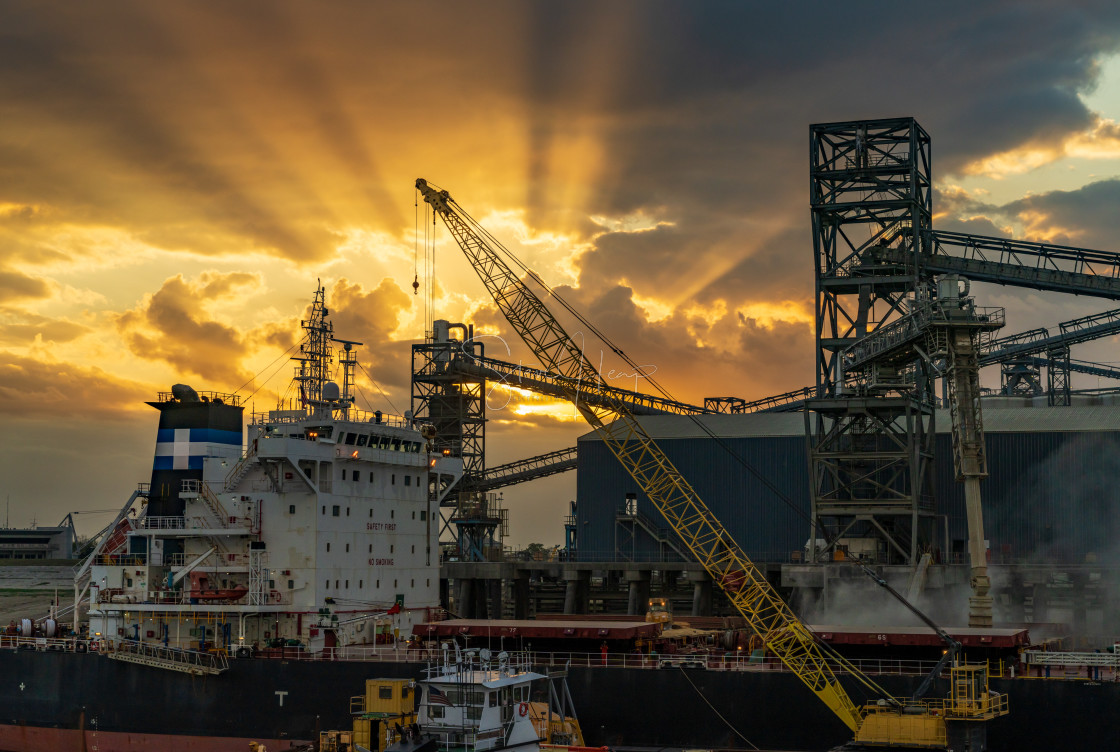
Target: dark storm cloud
x: 705, y: 117
x: 1085, y: 217
x: 192, y: 125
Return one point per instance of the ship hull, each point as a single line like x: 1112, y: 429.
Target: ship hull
x: 67, y: 701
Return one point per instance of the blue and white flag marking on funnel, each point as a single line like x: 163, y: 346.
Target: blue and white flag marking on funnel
x: 186, y: 448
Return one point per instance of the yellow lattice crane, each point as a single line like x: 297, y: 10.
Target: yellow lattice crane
x: 892, y: 721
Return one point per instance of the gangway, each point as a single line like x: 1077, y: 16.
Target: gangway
x: 172, y: 659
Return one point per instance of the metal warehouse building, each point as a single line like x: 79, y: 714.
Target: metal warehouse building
x: 1052, y: 495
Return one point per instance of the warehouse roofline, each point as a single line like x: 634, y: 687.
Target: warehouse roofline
x: 1001, y: 415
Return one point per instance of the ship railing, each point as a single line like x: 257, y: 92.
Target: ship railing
x: 218, y: 559
x: 352, y: 415
x: 162, y: 523
x: 652, y: 555
x: 124, y: 560
x: 61, y: 644
x: 731, y: 661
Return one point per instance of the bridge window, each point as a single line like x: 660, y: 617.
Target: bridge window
x: 351, y: 437
x: 363, y: 439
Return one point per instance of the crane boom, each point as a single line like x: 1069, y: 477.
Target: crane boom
x: 745, y: 585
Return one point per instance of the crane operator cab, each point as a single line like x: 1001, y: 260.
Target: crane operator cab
x: 659, y: 611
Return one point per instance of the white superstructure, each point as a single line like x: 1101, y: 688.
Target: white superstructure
x: 322, y: 531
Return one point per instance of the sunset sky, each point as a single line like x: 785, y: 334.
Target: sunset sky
x: 175, y: 177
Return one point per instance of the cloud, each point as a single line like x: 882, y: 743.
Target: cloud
x: 22, y: 328
x: 37, y: 388
x: 1101, y: 140
x: 371, y: 317
x: 1084, y: 217
x: 16, y: 285
x: 170, y: 326
x: 651, y: 156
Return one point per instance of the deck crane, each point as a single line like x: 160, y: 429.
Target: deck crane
x: 892, y: 722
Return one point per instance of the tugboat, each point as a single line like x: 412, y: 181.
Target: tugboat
x: 478, y: 702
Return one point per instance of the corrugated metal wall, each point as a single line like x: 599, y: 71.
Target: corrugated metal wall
x: 1051, y: 496
x: 766, y: 527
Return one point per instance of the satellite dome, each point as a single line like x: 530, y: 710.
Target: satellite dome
x: 184, y: 393
x: 330, y: 391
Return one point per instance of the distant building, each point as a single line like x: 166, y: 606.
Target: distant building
x: 37, y: 543
x: 1052, y: 495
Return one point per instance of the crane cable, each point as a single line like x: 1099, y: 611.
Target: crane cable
x: 785, y: 499
x: 713, y: 707
x: 379, y: 389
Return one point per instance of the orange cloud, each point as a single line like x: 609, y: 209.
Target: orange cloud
x: 170, y: 326
x: 37, y: 388
x: 22, y: 328
x: 19, y: 286
x: 1100, y: 141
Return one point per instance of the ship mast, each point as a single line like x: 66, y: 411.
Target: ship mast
x: 315, y: 357
x: 313, y: 374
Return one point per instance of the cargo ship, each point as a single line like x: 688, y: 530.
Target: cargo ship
x: 261, y: 577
